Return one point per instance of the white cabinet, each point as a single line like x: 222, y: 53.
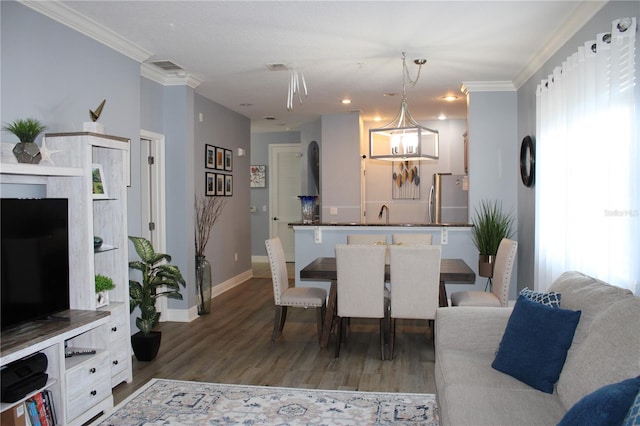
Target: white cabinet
x: 104, y: 216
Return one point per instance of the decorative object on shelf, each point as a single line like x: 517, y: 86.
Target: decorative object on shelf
x: 93, y: 125
x: 406, y: 181
x: 404, y: 138
x: 527, y: 161
x: 47, y: 153
x: 97, y: 242
x: 159, y: 279
x: 26, y: 130
x: 209, y: 156
x: 490, y: 226
x: 103, y: 285
x: 308, y: 207
x: 207, y: 211
x: 258, y: 176
x: 98, y: 182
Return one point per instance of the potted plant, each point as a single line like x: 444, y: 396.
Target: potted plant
x: 26, y: 130
x: 490, y: 226
x: 103, y: 285
x: 158, y: 279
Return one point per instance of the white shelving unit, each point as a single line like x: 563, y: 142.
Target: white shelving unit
x: 89, y: 216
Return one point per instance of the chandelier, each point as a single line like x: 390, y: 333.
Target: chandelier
x: 404, y: 138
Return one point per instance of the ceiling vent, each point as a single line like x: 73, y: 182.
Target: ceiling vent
x: 168, y: 66
x: 278, y: 67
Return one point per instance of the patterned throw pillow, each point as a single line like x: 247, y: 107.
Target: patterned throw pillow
x: 549, y: 299
x: 633, y: 416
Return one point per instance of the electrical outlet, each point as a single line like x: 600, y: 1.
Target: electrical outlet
x: 444, y: 236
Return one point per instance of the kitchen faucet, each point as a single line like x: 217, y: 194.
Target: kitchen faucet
x: 384, y: 206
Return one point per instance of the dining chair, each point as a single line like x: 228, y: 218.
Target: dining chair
x: 415, y: 282
x: 411, y: 238
x: 369, y: 239
x: 499, y: 295
x: 360, y: 287
x: 285, y: 296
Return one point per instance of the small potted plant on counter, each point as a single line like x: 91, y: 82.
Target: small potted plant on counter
x: 155, y: 274
x: 103, y: 285
x: 26, y: 130
x: 490, y: 226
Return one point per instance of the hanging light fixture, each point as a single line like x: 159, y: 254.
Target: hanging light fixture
x: 404, y: 138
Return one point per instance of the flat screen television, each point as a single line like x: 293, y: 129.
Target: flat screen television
x: 35, y: 259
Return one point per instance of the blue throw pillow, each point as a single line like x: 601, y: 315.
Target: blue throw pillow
x: 606, y: 406
x: 551, y: 298
x: 633, y: 415
x: 535, y: 343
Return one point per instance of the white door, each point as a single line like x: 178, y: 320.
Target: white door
x: 152, y: 196
x: 284, y: 204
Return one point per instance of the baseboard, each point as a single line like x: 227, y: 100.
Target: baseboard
x: 188, y: 315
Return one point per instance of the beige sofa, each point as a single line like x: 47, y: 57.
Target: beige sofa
x: 605, y: 350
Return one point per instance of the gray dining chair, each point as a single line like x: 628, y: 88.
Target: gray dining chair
x: 369, y: 239
x: 499, y: 295
x: 412, y: 238
x: 285, y: 296
x: 360, y: 287
x: 415, y: 282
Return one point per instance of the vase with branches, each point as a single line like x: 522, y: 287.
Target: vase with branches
x: 207, y: 211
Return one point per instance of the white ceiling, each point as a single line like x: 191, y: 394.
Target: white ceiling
x: 344, y: 48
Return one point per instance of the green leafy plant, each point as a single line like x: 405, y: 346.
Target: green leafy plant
x: 155, y: 273
x: 27, y: 130
x: 490, y: 226
x: 104, y: 283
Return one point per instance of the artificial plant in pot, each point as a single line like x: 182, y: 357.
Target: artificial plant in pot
x: 26, y: 130
x: 159, y: 279
x: 490, y: 226
x: 103, y: 284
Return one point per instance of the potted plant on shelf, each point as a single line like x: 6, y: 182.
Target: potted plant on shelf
x: 490, y: 226
x: 103, y: 285
x: 158, y: 279
x: 26, y: 130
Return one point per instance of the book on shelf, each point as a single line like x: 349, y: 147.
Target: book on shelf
x: 32, y: 413
x: 41, y: 409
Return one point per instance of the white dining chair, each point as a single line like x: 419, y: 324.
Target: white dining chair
x: 415, y: 281
x: 285, y: 296
x: 412, y: 238
x: 369, y: 239
x: 360, y: 287
x: 499, y: 295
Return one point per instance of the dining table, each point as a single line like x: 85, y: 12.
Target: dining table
x: 324, y: 269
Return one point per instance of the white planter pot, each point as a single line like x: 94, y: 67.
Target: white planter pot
x: 102, y: 299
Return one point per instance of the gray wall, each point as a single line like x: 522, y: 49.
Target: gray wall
x: 260, y: 196
x: 600, y: 23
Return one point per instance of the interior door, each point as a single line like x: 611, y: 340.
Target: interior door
x: 284, y: 204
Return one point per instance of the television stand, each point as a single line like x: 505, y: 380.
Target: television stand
x: 79, y: 329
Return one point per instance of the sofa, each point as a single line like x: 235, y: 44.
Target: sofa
x: 605, y: 349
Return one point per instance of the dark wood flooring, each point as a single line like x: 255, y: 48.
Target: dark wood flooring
x: 232, y: 344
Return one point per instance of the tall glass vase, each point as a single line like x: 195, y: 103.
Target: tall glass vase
x: 308, y: 207
x: 203, y: 285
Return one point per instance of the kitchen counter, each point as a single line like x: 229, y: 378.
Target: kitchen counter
x: 404, y: 225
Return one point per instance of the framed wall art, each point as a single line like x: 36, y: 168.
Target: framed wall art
x: 219, y: 184
x: 98, y: 183
x: 209, y: 156
x: 228, y: 185
x: 219, y: 158
x: 210, y: 184
x: 258, y: 176
x: 228, y: 160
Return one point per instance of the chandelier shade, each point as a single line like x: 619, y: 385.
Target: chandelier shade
x: 404, y: 138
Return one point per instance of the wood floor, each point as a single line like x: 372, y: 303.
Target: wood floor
x: 232, y: 344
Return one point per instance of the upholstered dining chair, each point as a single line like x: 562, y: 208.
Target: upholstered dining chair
x: 285, y: 296
x: 411, y: 238
x: 360, y: 289
x: 369, y: 239
x: 415, y: 282
x: 499, y: 295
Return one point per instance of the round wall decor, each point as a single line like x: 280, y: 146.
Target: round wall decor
x: 527, y: 161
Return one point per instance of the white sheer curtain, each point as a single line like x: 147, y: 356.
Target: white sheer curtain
x: 588, y: 164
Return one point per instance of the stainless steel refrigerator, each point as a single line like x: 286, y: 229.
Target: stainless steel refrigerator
x: 449, y: 199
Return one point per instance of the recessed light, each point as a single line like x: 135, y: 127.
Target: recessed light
x: 346, y: 101
x: 450, y: 98
x: 442, y: 117
x: 377, y: 118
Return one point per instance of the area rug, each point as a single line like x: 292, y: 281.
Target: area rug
x: 172, y: 402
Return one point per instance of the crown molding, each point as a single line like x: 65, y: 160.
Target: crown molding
x: 486, y: 86
x: 72, y: 19
x: 583, y: 14
x: 154, y: 74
